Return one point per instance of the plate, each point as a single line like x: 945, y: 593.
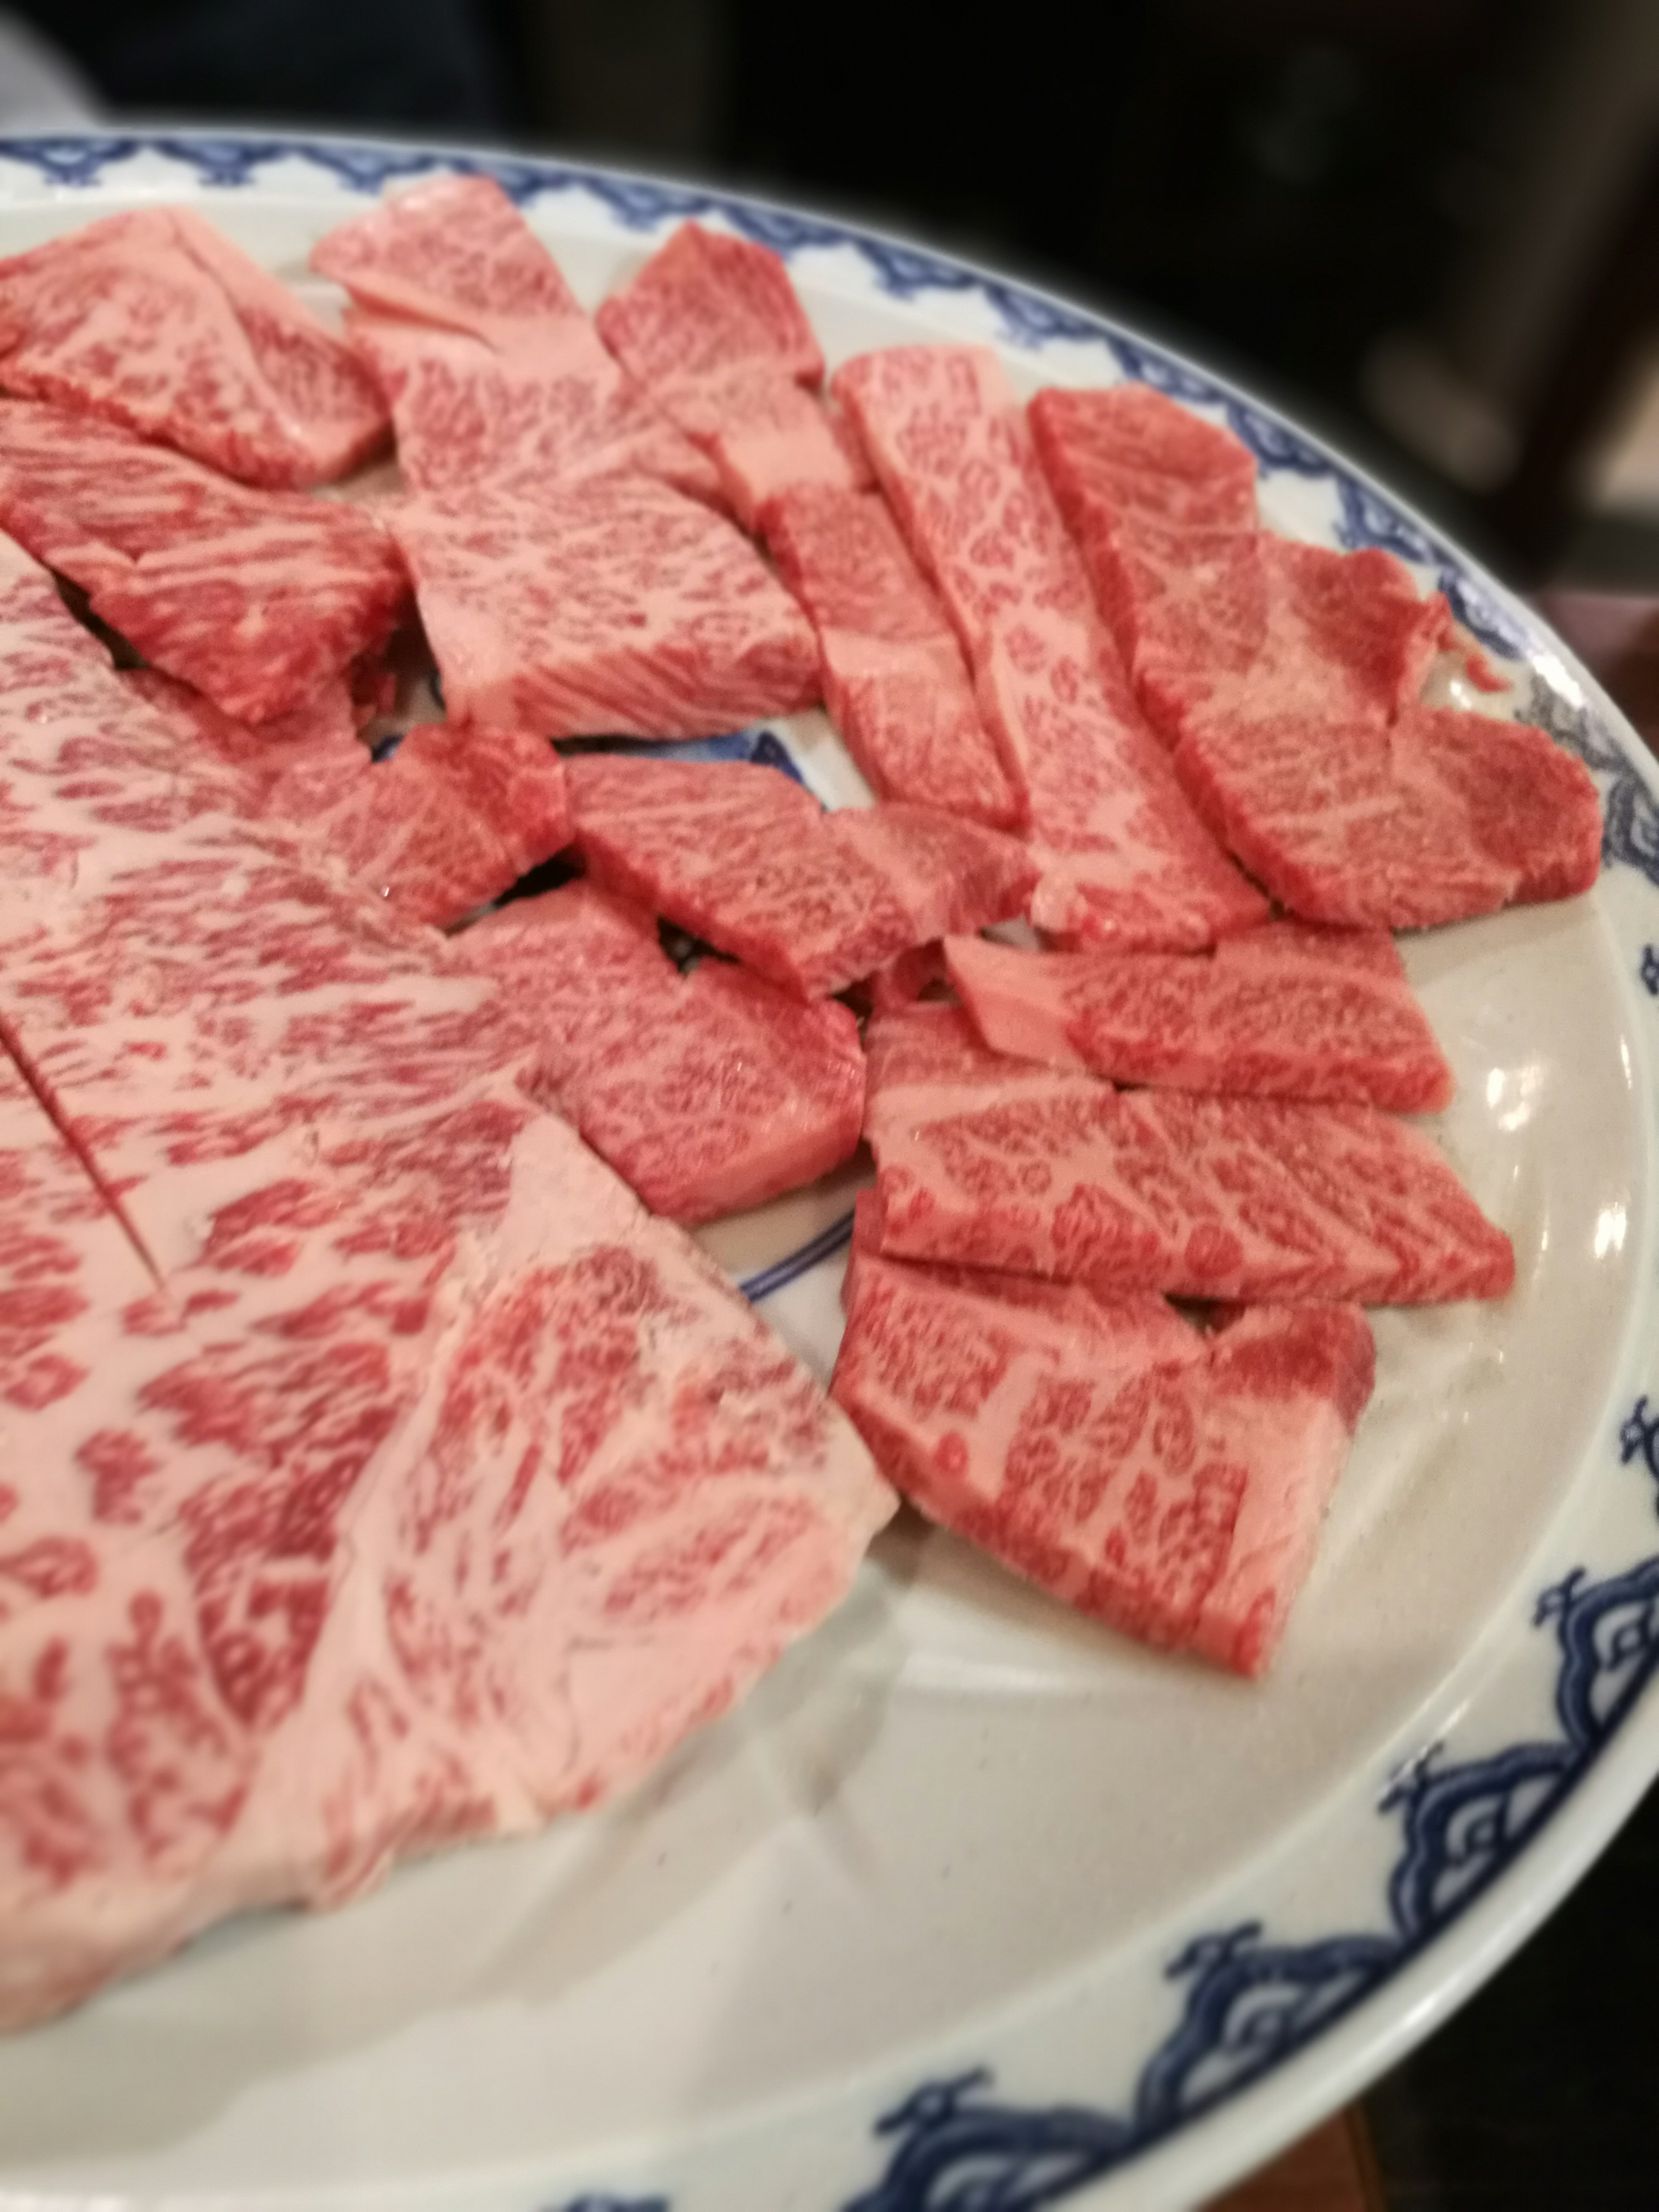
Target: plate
x: 972, y: 1904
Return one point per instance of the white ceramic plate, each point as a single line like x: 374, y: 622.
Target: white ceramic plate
x: 973, y: 1906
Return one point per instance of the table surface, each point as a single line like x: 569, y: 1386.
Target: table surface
x: 1537, y: 2096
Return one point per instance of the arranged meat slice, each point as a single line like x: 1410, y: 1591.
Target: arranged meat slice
x: 743, y: 858
x: 894, y: 681
x: 258, y: 598
x: 1061, y: 1175
x: 1286, y: 677
x: 1126, y: 861
x: 491, y: 370
x: 1177, y: 1491
x: 707, y: 1093
x: 1440, y: 815
x: 154, y: 320
x: 610, y: 606
x: 1282, y: 1012
x: 435, y: 1488
x: 712, y: 328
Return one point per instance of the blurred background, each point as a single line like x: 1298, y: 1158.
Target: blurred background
x: 1431, y: 228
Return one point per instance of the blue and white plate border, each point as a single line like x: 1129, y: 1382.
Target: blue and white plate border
x: 1266, y: 2024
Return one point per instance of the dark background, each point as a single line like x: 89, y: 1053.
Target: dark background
x: 1430, y: 226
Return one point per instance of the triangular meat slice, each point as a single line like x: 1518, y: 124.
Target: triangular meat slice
x: 1282, y: 1012
x: 707, y: 1093
x: 712, y: 327
x: 613, y: 605
x: 740, y: 855
x: 258, y: 598
x: 894, y: 681
x: 490, y: 367
x: 1126, y: 861
x: 152, y: 320
x: 1175, y: 1492
x: 1059, y: 1174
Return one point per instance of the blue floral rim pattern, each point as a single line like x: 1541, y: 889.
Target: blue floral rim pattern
x: 1250, y: 2004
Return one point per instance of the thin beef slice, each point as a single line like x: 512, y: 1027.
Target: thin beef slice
x: 707, y: 1092
x: 492, y: 371
x: 611, y: 606
x: 1060, y: 1175
x: 1175, y: 1492
x: 153, y: 321
x: 257, y: 599
x: 1282, y: 1012
x: 894, y: 681
x: 743, y: 858
x: 712, y: 328
x: 1126, y: 861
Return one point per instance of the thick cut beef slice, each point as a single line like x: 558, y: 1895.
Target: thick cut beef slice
x: 897, y: 686
x: 329, y: 717
x: 713, y: 329
x: 613, y: 604
x: 707, y: 1093
x: 743, y: 858
x: 1176, y: 1494
x: 258, y: 598
x: 1127, y: 861
x: 491, y: 368
x: 153, y: 321
x: 1059, y: 1174
x: 436, y: 1488
x: 1282, y: 1012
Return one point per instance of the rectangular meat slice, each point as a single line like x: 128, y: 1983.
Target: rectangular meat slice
x: 1126, y: 861
x: 1282, y: 1012
x: 712, y: 328
x: 1061, y: 1175
x: 895, y: 681
x: 707, y: 1093
x: 1286, y: 677
x: 1176, y: 1492
x: 258, y: 598
x: 491, y: 368
x: 435, y: 1488
x: 610, y: 606
x: 743, y: 858
x: 155, y: 321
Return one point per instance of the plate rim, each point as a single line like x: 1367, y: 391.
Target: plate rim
x: 1614, y: 1756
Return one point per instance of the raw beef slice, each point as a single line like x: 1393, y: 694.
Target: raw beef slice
x: 744, y: 859
x: 1282, y: 1012
x: 432, y: 1487
x: 613, y: 605
x: 155, y: 321
x: 895, y: 681
x: 1126, y: 861
x: 491, y: 368
x: 1058, y: 1174
x: 1174, y: 1490
x: 707, y: 1093
x: 258, y: 598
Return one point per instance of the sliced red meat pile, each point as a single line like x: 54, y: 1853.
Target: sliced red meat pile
x: 491, y: 368
x: 610, y: 606
x: 1170, y: 1482
x: 745, y: 859
x: 1286, y: 678
x: 1054, y: 1173
x: 258, y: 598
x: 155, y: 321
x: 1284, y: 1012
x: 382, y: 1476
x: 1126, y: 860
x: 712, y: 328
x: 895, y: 681
x: 707, y: 1093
